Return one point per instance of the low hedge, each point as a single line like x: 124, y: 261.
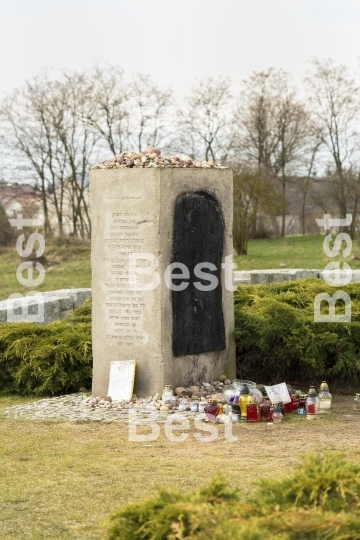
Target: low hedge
x: 47, y: 359
x: 277, y: 338
x: 320, y: 500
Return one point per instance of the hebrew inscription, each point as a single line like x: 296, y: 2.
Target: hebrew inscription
x: 124, y: 306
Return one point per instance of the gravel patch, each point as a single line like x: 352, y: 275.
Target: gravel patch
x: 82, y: 408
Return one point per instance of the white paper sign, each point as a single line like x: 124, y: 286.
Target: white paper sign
x: 121, y: 380
x: 278, y: 393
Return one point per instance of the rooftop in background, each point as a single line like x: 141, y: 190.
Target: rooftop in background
x: 16, y: 197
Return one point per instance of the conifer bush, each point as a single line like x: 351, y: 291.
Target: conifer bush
x: 47, y: 359
x: 277, y: 338
x: 320, y: 500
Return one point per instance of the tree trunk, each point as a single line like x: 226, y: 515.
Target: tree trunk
x: 353, y: 222
x: 283, y: 220
x: 303, y: 207
x: 47, y: 227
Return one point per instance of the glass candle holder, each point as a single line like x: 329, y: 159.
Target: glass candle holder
x: 227, y: 409
x: 241, y: 382
x: 356, y: 403
x: 325, y: 398
x: 302, y: 400
x: 301, y: 411
x: 251, y: 409
x: 258, y: 395
x: 194, y: 407
x: 183, y: 406
x: 231, y: 394
x: 168, y: 397
x: 277, y: 415
x: 211, y: 410
x: 288, y: 407
x: 202, y: 405
x: 312, y: 404
x: 264, y: 410
x: 282, y: 408
x: 244, y: 392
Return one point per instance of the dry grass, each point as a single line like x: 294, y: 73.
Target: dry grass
x: 60, y: 480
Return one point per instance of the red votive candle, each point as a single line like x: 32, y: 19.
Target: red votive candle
x: 252, y: 413
x: 311, y: 408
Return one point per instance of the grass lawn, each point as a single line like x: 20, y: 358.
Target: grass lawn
x: 60, y: 480
x: 295, y: 251
x: 69, y: 268
x: 70, y: 264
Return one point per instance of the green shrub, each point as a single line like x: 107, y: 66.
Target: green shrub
x: 327, y: 481
x: 277, y: 338
x: 320, y: 500
x: 275, y: 333
x: 47, y: 359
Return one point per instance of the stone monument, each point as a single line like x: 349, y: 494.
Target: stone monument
x: 150, y: 225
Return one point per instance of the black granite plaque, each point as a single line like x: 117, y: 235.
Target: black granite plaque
x: 198, y: 320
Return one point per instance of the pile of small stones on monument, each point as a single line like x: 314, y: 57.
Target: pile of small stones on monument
x: 81, y: 407
x: 151, y: 157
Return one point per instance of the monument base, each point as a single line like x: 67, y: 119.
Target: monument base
x: 142, y: 221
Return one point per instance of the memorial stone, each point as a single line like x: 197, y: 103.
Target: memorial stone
x: 143, y: 220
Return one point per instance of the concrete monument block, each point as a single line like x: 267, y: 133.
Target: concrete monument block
x: 144, y: 220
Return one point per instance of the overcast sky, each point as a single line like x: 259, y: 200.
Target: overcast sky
x: 175, y: 40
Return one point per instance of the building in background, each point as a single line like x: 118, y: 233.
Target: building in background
x: 20, y: 198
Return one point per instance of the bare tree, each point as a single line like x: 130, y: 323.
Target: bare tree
x: 305, y: 182
x: 255, y: 191
x: 7, y: 233
x: 30, y: 138
x: 149, y: 113
x: 334, y: 99
x: 109, y: 114
x: 256, y: 118
x: 49, y: 135
x: 40, y: 98
x: 205, y: 120
x: 291, y: 124
x: 272, y: 123
x: 72, y: 105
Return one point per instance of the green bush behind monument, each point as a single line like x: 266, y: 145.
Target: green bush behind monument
x: 321, y: 499
x: 47, y: 359
x: 277, y: 338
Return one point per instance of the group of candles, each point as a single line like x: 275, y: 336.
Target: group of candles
x: 248, y: 403
x: 245, y: 402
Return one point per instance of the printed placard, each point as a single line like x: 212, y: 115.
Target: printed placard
x: 278, y: 393
x: 121, y: 380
